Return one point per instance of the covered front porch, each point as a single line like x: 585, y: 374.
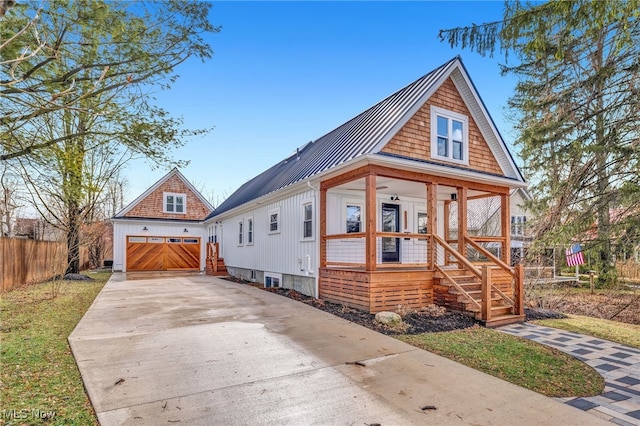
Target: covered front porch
x: 391, y: 237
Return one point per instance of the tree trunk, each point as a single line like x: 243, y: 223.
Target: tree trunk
x: 73, y: 240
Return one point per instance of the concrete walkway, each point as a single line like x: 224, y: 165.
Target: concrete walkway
x: 199, y: 350
x: 619, y: 365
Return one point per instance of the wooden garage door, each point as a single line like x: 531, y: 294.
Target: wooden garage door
x: 162, y: 253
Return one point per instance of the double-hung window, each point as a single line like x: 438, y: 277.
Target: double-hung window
x: 354, y: 218
x: 274, y: 220
x: 240, y: 233
x: 174, y: 203
x: 307, y: 220
x: 449, y: 136
x: 518, y: 225
x: 250, y: 231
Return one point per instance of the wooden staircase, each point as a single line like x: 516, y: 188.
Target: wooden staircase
x: 490, y: 292
x: 215, y: 265
x: 466, y: 296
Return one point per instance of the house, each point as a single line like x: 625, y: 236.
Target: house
x: 362, y: 215
x: 162, y: 229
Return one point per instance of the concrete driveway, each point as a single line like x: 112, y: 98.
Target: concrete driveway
x: 198, y: 350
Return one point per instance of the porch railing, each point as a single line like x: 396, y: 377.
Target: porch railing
x: 212, y: 254
x: 451, y: 255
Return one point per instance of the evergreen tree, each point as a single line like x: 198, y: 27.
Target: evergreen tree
x: 577, y: 109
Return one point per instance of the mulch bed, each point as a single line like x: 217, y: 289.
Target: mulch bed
x: 431, y: 319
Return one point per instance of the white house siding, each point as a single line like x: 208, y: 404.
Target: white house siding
x: 124, y: 228
x: 285, y: 252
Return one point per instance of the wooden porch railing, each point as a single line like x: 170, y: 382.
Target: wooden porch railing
x: 516, y: 274
x: 212, y: 254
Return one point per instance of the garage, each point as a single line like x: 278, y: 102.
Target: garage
x: 162, y: 253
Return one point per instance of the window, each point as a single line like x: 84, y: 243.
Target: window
x: 422, y: 223
x: 274, y: 221
x: 174, y: 203
x: 240, y: 232
x: 307, y: 220
x: 354, y: 218
x: 272, y: 280
x: 449, y: 135
x: 518, y: 225
x: 250, y: 231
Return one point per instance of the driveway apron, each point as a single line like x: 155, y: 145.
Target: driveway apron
x: 199, y: 350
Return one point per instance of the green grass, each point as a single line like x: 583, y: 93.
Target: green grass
x: 626, y: 334
x: 522, y: 362
x: 39, y: 374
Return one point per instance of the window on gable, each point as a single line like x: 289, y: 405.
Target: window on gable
x: 307, y: 220
x: 174, y: 203
x: 274, y: 221
x: 249, y: 231
x: 449, y: 136
x: 240, y: 233
x: 354, y: 218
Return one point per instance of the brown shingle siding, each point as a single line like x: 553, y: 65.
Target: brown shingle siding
x: 152, y: 205
x: 413, y: 140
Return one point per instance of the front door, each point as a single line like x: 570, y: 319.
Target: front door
x: 390, y: 223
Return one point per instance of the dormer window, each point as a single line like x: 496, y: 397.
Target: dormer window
x: 174, y: 203
x: 449, y: 136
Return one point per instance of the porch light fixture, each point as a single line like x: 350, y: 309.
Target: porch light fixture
x: 395, y: 197
x: 454, y: 196
x: 145, y: 229
x: 185, y: 230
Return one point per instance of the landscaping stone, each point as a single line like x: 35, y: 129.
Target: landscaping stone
x: 390, y: 319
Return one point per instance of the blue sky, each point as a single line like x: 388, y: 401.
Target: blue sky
x: 285, y: 73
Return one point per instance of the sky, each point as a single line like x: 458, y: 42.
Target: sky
x: 286, y: 73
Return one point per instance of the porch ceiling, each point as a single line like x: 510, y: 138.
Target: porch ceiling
x: 403, y: 188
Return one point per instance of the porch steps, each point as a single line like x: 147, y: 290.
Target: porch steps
x: 219, y: 271
x: 450, y: 297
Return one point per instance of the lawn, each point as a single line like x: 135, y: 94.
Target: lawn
x: 626, y: 334
x: 40, y: 380
x: 522, y: 362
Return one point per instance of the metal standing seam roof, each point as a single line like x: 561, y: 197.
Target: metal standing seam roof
x: 356, y: 137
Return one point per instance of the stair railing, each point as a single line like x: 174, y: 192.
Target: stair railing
x: 515, y: 278
x: 463, y: 260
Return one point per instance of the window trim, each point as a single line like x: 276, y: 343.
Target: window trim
x: 521, y: 226
x: 349, y: 203
x: 240, y: 233
x: 449, y: 115
x: 175, y: 195
x: 417, y: 217
x: 311, y: 204
x: 250, y: 231
x: 272, y: 275
x: 278, y: 222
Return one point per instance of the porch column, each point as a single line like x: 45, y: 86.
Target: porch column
x: 505, y: 222
x: 323, y: 227
x: 462, y: 220
x: 432, y: 221
x: 370, y: 222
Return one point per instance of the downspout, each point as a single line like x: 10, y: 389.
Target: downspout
x: 316, y: 229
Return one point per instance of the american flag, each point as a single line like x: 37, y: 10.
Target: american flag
x: 574, y: 255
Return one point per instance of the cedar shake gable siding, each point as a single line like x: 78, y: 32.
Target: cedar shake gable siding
x: 414, y: 138
x: 152, y: 205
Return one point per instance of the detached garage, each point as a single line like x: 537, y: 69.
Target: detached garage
x: 162, y: 229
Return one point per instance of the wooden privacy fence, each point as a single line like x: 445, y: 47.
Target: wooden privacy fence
x: 28, y: 261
